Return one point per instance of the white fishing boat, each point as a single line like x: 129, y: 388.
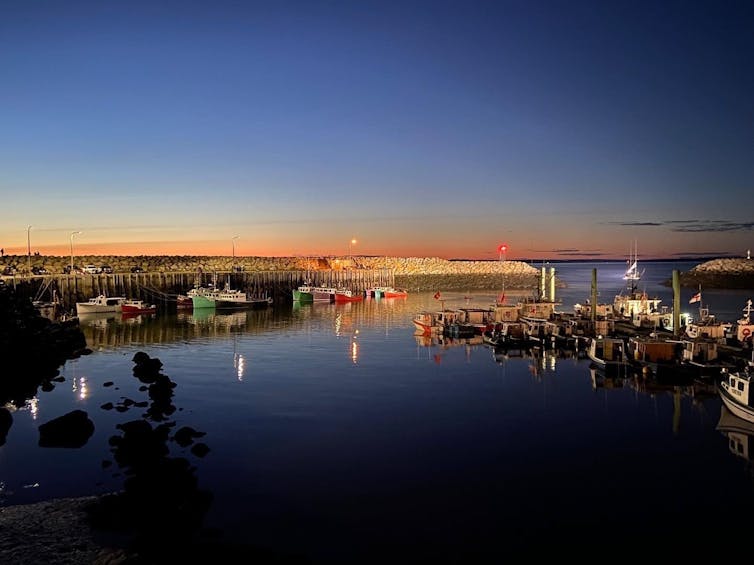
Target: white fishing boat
x: 607, y: 352
x: 707, y: 325
x: 101, y: 304
x: 735, y: 392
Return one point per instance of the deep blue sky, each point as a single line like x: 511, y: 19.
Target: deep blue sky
x: 564, y: 129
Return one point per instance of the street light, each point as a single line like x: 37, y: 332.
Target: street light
x: 350, y: 243
x: 72, y: 234
x: 28, y: 247
x: 233, y: 243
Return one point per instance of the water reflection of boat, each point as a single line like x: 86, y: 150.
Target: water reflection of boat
x: 440, y: 340
x: 210, y: 317
x: 740, y: 434
x: 600, y: 379
x: 97, y: 319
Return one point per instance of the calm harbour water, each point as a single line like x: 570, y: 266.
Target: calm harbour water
x: 338, y: 434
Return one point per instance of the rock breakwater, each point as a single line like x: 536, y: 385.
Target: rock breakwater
x: 733, y: 273
x: 410, y: 272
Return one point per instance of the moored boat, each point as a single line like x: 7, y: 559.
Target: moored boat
x: 635, y: 303
x: 707, y: 325
x: 386, y: 292
x: 735, y: 392
x: 202, y: 296
x: 100, y: 304
x: 607, y: 352
x: 304, y: 293
x: 138, y: 307
x: 323, y: 294
x: 347, y: 295
x: 234, y: 298
x: 433, y: 322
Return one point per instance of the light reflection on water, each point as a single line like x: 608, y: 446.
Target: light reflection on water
x: 334, y: 429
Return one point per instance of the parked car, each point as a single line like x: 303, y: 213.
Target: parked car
x: 137, y: 269
x: 67, y: 269
x: 9, y: 270
x: 106, y: 269
x: 91, y: 269
x: 39, y: 270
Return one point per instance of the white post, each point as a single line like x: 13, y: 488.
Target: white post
x: 72, y: 234
x: 28, y: 248
x: 233, y: 242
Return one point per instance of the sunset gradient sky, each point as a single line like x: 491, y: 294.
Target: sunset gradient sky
x: 565, y: 129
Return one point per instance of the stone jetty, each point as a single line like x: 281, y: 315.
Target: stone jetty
x: 413, y: 273
x: 733, y: 273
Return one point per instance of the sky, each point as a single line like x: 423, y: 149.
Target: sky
x: 561, y: 129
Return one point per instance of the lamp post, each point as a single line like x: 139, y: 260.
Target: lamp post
x: 350, y: 243
x: 28, y: 248
x: 233, y: 243
x: 72, y: 234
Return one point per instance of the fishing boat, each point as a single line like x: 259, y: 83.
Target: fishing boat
x: 234, y: 298
x: 706, y: 324
x: 138, y: 307
x: 434, y: 322
x: 386, y: 292
x: 347, y: 295
x: 607, y: 352
x: 735, y: 392
x: 184, y: 301
x: 323, y: 294
x: 635, y: 303
x: 202, y: 296
x: 101, y: 304
x: 227, y: 297
x: 304, y: 293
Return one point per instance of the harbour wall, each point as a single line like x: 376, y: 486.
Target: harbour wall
x: 162, y: 278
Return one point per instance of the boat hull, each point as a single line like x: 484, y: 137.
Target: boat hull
x: 101, y: 305
x: 735, y: 407
x: 254, y: 303
x: 202, y: 301
x: 302, y: 296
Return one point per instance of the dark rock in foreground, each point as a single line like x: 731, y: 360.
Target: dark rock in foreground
x: 70, y: 430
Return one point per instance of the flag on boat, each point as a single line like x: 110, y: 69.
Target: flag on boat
x: 501, y: 298
x: 696, y: 298
x: 437, y: 295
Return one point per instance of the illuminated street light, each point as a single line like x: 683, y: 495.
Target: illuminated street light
x: 72, y: 234
x: 350, y: 243
x: 28, y: 248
